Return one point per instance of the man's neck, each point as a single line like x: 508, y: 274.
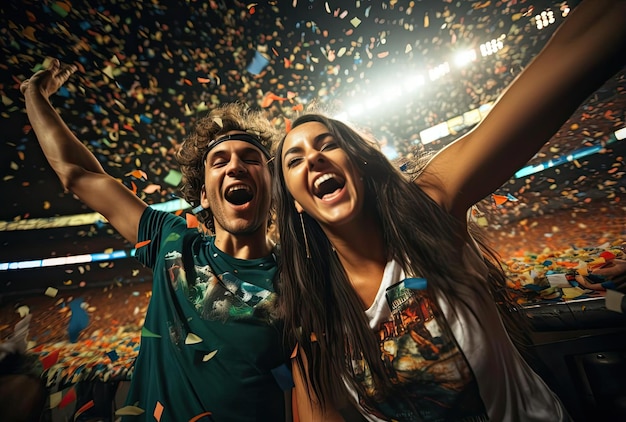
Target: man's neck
x: 244, y: 246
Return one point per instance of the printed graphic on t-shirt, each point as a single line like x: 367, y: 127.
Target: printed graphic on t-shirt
x: 220, y: 297
x: 425, y: 362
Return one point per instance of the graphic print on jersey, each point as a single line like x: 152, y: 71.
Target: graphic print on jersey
x: 220, y: 297
x: 423, y: 360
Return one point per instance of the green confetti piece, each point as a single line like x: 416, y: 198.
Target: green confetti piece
x: 60, y: 10
x: 173, y: 178
x: 147, y: 333
x: 173, y: 237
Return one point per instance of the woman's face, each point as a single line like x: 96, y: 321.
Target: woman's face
x: 320, y: 176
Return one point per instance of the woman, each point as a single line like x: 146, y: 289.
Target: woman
x: 389, y: 298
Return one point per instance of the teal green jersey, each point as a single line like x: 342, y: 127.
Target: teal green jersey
x: 211, y: 342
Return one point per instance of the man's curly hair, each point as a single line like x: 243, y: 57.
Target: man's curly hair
x: 222, y: 119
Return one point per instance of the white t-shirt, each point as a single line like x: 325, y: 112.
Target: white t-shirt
x: 475, y: 374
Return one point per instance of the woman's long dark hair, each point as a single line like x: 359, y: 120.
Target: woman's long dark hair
x: 317, y: 298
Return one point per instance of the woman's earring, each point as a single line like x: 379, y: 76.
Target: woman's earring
x: 306, y: 241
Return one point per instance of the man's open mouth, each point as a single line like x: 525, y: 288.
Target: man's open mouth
x: 239, y: 194
x: 327, y: 184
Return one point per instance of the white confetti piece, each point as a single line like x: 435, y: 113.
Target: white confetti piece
x: 209, y: 356
x: 192, y: 339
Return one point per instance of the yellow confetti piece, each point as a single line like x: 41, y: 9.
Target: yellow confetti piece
x: 572, y: 292
x: 129, y: 411
x: 55, y: 399
x: 23, y: 311
x: 51, y: 292
x: 209, y: 356
x: 355, y: 22
x: 192, y: 339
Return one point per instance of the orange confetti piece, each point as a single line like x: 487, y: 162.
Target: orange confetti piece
x: 267, y: 101
x: 139, y: 174
x: 499, y: 199
x: 158, y: 411
x: 29, y: 32
x: 295, y: 352
x: 151, y: 188
x: 567, y: 264
x: 382, y: 54
x: 84, y: 408
x: 134, y: 187
x: 142, y: 244
x: 192, y: 221
x: 269, y: 98
x: 200, y: 416
x: 203, y: 80
x: 298, y: 107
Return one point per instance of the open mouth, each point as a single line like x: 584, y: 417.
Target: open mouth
x: 239, y: 194
x: 327, y: 185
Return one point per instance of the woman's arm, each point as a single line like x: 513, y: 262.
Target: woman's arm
x: 77, y: 168
x: 307, y: 406
x: 588, y: 48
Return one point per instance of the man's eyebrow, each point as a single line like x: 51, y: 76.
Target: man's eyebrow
x: 224, y: 152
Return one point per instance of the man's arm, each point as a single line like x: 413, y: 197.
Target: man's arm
x: 77, y: 168
x: 588, y: 48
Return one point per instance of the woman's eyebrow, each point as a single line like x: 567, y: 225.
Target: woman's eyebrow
x: 316, y: 140
x: 292, y: 150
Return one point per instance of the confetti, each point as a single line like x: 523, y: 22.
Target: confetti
x: 192, y: 339
x: 129, y: 411
x: 209, y: 356
x: 51, y: 292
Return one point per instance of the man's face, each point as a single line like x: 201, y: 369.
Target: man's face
x: 237, y: 187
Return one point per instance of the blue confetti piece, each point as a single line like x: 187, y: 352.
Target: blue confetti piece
x: 113, y: 355
x: 283, y: 377
x: 63, y: 92
x: 78, y: 321
x: 415, y: 283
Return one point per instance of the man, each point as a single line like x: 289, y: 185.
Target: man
x: 211, y: 346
